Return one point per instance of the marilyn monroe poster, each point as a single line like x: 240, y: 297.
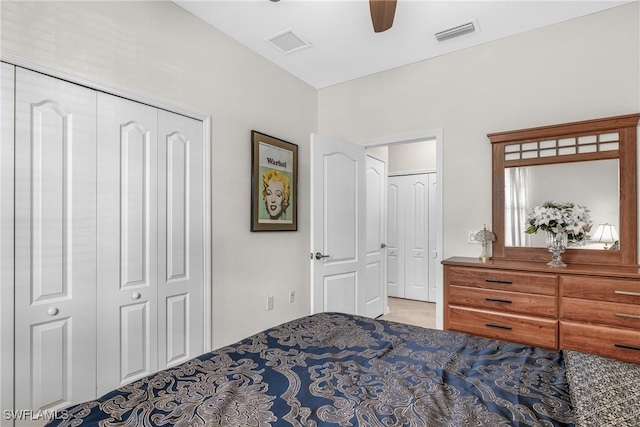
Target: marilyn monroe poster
x: 274, y: 184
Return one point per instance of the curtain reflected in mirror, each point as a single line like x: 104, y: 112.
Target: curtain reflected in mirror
x: 516, y: 197
x: 594, y: 184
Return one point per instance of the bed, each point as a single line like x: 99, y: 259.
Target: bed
x: 339, y: 369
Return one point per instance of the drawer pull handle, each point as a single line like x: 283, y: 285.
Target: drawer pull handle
x: 628, y: 316
x: 493, y: 325
x: 628, y: 347
x: 506, y: 301
x: 629, y: 293
x: 502, y: 282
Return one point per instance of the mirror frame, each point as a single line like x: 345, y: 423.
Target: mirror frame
x: 626, y: 127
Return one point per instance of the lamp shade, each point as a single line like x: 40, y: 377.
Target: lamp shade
x: 606, y: 233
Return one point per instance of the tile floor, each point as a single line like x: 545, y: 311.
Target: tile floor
x: 411, y: 312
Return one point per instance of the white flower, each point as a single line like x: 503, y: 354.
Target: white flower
x: 556, y: 217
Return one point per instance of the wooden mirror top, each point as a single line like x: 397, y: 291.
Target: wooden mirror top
x: 598, y: 139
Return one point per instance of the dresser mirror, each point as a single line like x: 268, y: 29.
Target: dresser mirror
x: 593, y: 184
x: 590, y: 163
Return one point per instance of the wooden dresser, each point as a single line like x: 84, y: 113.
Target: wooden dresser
x: 590, y: 308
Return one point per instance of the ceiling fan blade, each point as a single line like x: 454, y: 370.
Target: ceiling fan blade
x: 382, y: 13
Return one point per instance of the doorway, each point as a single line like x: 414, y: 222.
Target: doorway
x: 416, y: 160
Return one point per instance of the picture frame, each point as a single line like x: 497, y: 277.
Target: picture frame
x: 274, y: 184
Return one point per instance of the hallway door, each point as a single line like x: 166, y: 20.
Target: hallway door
x: 376, y: 229
x: 338, y: 226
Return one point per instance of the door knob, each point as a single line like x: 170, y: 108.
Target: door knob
x: 52, y: 311
x: 383, y: 245
x: 136, y: 295
x: 320, y: 256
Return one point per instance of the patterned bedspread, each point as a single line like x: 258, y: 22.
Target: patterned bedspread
x: 336, y: 369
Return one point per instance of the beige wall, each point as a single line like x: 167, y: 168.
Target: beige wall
x: 580, y: 69
x: 585, y: 68
x: 158, y: 50
x: 413, y: 157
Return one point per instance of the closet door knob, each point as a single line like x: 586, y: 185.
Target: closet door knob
x: 136, y: 295
x: 52, y: 311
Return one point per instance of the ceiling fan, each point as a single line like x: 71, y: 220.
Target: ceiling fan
x: 382, y: 14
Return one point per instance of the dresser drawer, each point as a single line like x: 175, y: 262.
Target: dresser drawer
x: 601, y: 288
x: 610, y: 313
x: 528, y: 330
x: 535, y: 283
x: 623, y: 344
x: 514, y: 302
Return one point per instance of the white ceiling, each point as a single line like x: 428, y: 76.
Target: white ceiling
x: 344, y: 45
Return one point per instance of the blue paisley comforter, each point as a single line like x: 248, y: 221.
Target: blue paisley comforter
x: 337, y: 369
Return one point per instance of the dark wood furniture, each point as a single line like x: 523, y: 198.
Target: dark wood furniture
x: 593, y: 305
x: 590, y: 308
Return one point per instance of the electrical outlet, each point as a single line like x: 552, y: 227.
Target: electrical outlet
x: 270, y: 303
x: 292, y: 296
x: 472, y: 238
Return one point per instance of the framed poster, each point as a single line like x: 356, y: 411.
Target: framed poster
x: 274, y: 184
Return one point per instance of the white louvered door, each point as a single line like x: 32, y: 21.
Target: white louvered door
x: 55, y: 250
x: 127, y: 241
x: 180, y: 239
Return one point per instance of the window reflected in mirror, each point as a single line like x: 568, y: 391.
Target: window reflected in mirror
x: 594, y: 184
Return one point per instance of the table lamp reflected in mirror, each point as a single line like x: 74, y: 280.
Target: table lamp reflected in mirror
x: 485, y: 236
x: 606, y: 233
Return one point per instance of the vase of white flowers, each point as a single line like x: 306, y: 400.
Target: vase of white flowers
x: 556, y: 243
x: 566, y: 224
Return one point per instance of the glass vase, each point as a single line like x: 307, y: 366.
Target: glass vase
x: 556, y: 243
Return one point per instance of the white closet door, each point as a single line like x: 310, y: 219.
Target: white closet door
x: 180, y: 239
x: 395, y: 238
x: 7, y: 73
x: 417, y: 237
x: 433, y: 237
x: 55, y: 251
x: 127, y: 241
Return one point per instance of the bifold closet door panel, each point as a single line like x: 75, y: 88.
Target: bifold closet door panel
x: 417, y: 237
x: 7, y: 102
x: 433, y: 236
x: 180, y: 238
x: 395, y: 238
x: 410, y: 213
x: 127, y: 241
x: 55, y: 245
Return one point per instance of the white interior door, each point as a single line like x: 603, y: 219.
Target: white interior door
x: 338, y: 226
x: 395, y: 238
x: 180, y: 239
x: 417, y: 237
x: 55, y: 251
x: 7, y: 241
x: 376, y: 231
x: 127, y: 241
x: 433, y: 237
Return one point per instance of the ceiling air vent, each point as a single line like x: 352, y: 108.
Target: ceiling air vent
x: 458, y: 30
x: 287, y: 42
